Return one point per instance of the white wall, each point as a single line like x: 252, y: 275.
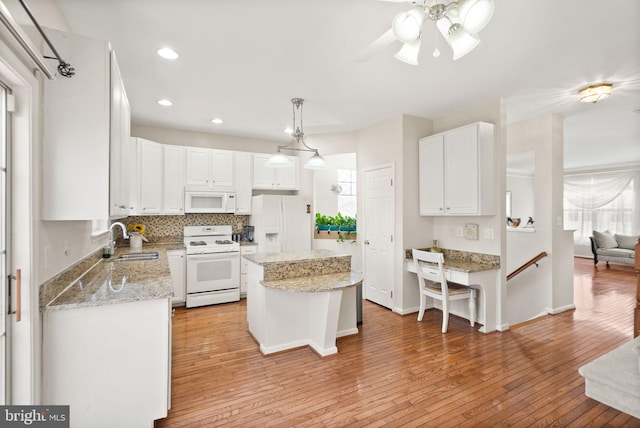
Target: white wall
x: 522, y: 190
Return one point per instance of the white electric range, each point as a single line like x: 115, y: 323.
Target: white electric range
x: 213, y: 265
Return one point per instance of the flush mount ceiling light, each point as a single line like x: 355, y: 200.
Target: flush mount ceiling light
x: 217, y: 121
x: 280, y: 160
x: 168, y: 53
x: 164, y: 102
x: 457, y: 21
x: 594, y: 93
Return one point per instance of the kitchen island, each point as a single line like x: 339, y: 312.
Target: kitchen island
x: 301, y: 298
x: 107, y: 340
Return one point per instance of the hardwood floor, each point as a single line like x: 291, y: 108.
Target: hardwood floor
x: 398, y: 372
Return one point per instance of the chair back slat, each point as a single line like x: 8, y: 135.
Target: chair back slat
x: 431, y: 269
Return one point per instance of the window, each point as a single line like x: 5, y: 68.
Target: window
x: 347, y: 201
x: 600, y: 202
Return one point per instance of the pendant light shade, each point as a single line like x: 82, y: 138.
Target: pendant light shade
x: 407, y: 25
x: 457, y: 38
x: 278, y: 160
x: 316, y: 162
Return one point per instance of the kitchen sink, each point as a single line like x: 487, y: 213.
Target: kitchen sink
x: 137, y: 257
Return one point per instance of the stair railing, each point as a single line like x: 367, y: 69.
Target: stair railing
x: 533, y: 261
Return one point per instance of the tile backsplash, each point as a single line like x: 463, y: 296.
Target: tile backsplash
x: 169, y: 228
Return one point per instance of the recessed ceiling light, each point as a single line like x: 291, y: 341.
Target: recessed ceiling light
x: 165, y: 102
x: 288, y: 131
x: 217, y: 121
x: 168, y: 53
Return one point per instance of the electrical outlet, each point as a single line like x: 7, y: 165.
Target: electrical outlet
x: 488, y: 233
x: 459, y: 232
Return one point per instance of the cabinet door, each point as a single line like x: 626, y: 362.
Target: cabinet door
x: 150, y: 161
x: 198, y: 167
x: 244, y: 173
x: 222, y: 169
x: 173, y: 178
x: 76, y: 127
x: 263, y: 176
x: 177, y: 268
x: 119, y: 144
x: 287, y: 178
x: 461, y: 171
x: 431, y: 173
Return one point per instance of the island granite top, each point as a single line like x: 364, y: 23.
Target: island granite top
x: 291, y: 256
x: 316, y: 283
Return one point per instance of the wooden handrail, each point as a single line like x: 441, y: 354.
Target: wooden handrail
x: 531, y: 262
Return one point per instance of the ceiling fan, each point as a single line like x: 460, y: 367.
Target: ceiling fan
x: 459, y: 22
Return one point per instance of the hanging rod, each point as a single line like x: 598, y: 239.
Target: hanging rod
x: 64, y: 68
x: 14, y: 28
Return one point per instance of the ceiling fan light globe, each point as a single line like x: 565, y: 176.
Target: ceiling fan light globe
x: 409, y: 52
x: 278, y: 160
x: 475, y: 14
x: 459, y: 40
x: 406, y: 26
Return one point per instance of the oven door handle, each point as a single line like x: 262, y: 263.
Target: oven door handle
x: 213, y: 256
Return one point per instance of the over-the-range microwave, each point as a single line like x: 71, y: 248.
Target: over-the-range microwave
x: 203, y: 201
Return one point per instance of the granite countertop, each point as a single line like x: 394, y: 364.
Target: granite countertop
x: 299, y: 264
x: 317, y: 283
x: 111, y: 282
x: 464, y: 261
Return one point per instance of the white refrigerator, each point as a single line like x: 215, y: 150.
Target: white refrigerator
x: 282, y: 223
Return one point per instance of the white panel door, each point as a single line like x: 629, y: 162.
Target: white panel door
x: 378, y: 235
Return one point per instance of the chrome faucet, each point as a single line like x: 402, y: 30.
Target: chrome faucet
x: 112, y: 242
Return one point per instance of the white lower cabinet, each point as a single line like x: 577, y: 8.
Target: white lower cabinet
x: 111, y: 363
x: 244, y: 250
x: 177, y: 262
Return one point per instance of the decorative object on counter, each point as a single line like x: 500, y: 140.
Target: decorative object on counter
x: 136, y: 235
x: 530, y: 222
x: 513, y: 221
x: 279, y: 160
x: 435, y: 248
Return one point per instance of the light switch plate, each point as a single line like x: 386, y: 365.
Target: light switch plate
x: 471, y: 231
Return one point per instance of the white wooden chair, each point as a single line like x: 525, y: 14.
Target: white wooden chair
x: 433, y: 283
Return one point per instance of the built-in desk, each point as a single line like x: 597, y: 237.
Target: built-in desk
x: 478, y: 271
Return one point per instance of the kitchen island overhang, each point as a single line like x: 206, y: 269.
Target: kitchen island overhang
x: 303, y: 298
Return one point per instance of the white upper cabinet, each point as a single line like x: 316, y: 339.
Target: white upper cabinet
x: 120, y: 134
x: 76, y: 137
x: 244, y: 181
x: 456, y: 172
x: 173, y: 177
x: 210, y: 169
x: 265, y: 177
x: 150, y: 170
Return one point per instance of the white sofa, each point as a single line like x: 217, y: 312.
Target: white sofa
x: 613, y: 248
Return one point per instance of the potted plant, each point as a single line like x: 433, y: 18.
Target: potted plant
x: 322, y: 222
